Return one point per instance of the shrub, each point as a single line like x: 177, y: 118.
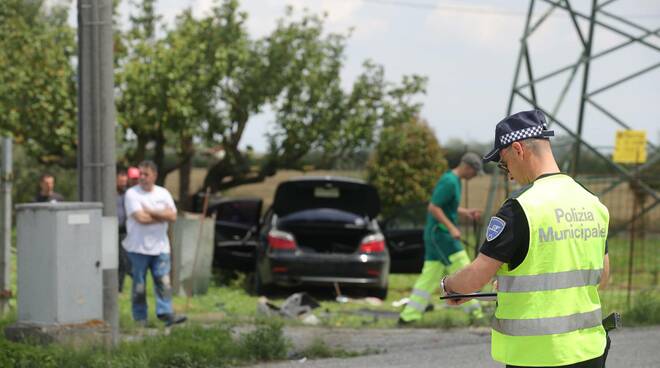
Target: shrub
x: 265, y: 343
x: 645, y: 310
x: 405, y: 165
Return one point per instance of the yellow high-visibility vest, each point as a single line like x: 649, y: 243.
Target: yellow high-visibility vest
x: 548, y: 309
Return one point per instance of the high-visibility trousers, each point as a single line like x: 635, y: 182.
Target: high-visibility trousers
x: 429, y: 280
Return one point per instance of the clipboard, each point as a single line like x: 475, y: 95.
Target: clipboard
x: 481, y: 296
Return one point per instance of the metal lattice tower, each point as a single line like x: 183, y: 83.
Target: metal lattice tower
x: 526, y: 84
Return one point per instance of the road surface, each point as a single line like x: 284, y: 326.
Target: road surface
x: 437, y: 348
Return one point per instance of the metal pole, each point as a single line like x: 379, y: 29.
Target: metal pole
x: 585, y: 82
x: 96, y: 127
x: 5, y: 224
x: 633, y: 230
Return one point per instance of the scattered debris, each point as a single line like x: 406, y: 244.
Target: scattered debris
x: 400, y: 303
x: 342, y: 299
x: 373, y: 301
x: 368, y: 300
x: 296, y: 306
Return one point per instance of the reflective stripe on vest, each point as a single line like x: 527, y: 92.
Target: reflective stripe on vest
x: 422, y: 294
x: 547, y: 326
x: 416, y: 305
x: 548, y: 281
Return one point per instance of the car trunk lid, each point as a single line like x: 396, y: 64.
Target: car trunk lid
x: 343, y: 194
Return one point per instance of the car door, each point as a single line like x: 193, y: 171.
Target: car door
x: 404, y: 237
x: 236, y: 231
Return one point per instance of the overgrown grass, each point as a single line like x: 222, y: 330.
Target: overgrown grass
x: 187, y: 347
x: 645, y: 310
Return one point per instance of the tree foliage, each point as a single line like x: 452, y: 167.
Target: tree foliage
x: 37, y: 80
x: 201, y: 83
x: 406, y: 164
x: 196, y: 85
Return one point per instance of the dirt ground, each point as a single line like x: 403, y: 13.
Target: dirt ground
x: 475, y: 192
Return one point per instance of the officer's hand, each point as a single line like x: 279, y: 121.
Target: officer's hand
x: 475, y: 214
x: 455, y: 233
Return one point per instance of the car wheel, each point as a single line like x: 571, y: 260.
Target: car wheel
x: 380, y: 293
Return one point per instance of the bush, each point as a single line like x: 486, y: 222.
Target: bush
x: 265, y: 343
x: 645, y: 310
x: 405, y: 165
x: 27, y: 172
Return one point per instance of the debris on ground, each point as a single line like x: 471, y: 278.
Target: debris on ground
x: 401, y: 302
x: 368, y: 300
x: 296, y: 306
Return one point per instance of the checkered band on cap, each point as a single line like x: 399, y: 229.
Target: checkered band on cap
x: 517, y: 135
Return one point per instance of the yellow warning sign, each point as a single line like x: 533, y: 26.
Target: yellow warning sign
x: 630, y: 147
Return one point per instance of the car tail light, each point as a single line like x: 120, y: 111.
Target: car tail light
x: 281, y: 240
x: 372, y: 244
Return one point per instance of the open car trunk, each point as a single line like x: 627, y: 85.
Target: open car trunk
x: 344, y: 194
x: 326, y: 230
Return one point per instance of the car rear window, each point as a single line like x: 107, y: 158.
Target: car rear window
x: 326, y: 192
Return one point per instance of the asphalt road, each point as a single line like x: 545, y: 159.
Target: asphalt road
x: 421, y: 348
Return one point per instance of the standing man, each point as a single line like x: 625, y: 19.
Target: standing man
x: 443, y: 251
x: 149, y: 209
x: 47, y: 191
x: 124, y: 263
x: 547, y: 249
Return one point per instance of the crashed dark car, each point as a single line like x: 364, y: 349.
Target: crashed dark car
x: 318, y: 231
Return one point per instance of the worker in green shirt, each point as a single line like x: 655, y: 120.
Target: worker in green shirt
x: 443, y: 252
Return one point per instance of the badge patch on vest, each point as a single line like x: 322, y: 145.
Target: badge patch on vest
x: 495, y: 227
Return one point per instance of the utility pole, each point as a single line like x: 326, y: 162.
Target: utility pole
x: 6, y: 178
x: 96, y: 129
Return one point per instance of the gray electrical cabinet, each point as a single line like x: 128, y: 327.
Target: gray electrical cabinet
x: 59, y: 262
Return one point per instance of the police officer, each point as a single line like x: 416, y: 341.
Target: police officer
x: 547, y: 249
x: 443, y: 252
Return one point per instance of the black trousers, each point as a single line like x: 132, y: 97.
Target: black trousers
x: 591, y: 363
x: 124, y: 266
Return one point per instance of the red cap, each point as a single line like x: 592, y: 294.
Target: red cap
x: 133, y: 172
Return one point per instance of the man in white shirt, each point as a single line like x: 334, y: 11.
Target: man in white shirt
x: 149, y: 209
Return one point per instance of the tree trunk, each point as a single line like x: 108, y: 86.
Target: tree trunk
x: 159, y: 157
x: 140, y: 151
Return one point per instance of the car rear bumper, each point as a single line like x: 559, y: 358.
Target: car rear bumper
x: 370, y: 270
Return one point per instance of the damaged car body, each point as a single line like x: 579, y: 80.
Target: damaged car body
x: 318, y: 231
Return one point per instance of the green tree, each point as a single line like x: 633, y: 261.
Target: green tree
x: 37, y: 80
x: 200, y: 84
x: 406, y: 164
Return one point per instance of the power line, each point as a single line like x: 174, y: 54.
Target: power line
x: 455, y: 8
x: 480, y: 10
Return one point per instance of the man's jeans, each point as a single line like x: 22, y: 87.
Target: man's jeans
x: 160, y: 272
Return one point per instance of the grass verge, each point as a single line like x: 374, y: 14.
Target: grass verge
x: 186, y: 347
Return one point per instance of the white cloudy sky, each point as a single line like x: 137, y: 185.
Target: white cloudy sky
x: 468, y: 49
